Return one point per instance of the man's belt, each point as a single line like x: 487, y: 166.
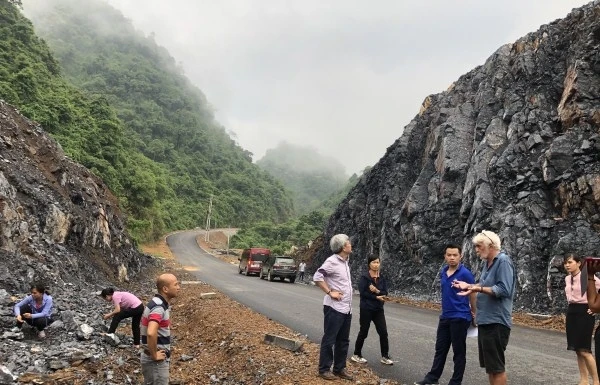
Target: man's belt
x: 167, y: 352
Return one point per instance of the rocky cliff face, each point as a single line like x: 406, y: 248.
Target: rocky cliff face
x: 58, y: 222
x: 512, y: 147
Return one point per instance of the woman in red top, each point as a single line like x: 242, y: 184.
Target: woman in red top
x: 580, y: 321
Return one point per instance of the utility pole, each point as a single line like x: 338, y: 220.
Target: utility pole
x: 228, y: 229
x: 207, y: 234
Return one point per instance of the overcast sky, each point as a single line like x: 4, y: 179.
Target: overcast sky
x: 344, y: 76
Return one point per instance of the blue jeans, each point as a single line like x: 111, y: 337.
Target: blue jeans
x: 156, y: 372
x: 450, y: 332
x: 336, y: 340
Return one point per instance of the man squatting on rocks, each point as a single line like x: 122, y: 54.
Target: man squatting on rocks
x: 495, y: 294
x: 35, y: 309
x: 333, y: 277
x: 156, y: 332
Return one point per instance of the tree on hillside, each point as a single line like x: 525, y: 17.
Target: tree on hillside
x: 310, y: 176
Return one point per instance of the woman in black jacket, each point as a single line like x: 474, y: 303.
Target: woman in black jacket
x: 373, y: 291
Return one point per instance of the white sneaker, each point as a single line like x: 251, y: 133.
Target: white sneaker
x: 386, y: 361
x: 358, y: 359
x: 42, y: 334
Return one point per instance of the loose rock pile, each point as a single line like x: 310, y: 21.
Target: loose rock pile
x: 75, y: 338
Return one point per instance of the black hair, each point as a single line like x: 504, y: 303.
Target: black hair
x: 576, y: 258
x: 370, y: 259
x: 39, y: 287
x: 452, y: 246
x: 106, y: 292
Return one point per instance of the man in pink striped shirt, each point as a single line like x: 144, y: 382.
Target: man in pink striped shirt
x: 333, y: 277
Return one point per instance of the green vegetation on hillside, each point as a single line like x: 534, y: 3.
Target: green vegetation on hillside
x: 296, y: 232
x: 331, y: 203
x: 310, y: 176
x: 133, y: 119
x: 86, y: 126
x: 280, y: 238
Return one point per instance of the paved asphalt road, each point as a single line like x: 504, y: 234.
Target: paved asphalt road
x: 533, y: 356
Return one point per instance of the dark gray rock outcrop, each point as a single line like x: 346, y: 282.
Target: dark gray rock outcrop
x: 512, y: 147
x: 59, y: 223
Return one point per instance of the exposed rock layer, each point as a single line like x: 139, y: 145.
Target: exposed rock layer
x: 512, y: 147
x: 58, y: 222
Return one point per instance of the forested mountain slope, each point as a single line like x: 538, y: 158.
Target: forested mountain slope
x: 308, y: 175
x: 156, y: 142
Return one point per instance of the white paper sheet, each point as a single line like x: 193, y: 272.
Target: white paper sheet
x: 472, y: 331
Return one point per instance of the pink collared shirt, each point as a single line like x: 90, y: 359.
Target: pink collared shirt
x: 336, y: 272
x: 125, y: 300
x: 573, y: 288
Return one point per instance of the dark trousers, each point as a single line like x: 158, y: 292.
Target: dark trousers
x: 136, y: 317
x: 301, y: 276
x: 336, y: 340
x: 38, y: 323
x: 378, y: 318
x: 453, y: 332
x: 597, y: 347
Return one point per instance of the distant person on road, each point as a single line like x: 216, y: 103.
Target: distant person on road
x: 126, y: 305
x: 156, y: 332
x: 580, y: 319
x: 35, y: 309
x: 373, y: 291
x: 333, y: 277
x: 301, y: 270
x: 457, y: 315
x: 495, y: 295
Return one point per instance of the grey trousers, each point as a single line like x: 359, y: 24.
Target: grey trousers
x: 156, y: 373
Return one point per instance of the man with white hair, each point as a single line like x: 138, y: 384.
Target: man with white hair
x: 495, y: 294
x: 333, y: 277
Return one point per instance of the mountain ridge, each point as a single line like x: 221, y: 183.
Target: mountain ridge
x: 183, y: 156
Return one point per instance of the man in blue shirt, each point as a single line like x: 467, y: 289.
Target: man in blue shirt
x: 495, y: 294
x: 457, y: 314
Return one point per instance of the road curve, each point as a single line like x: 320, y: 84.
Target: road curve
x: 533, y: 356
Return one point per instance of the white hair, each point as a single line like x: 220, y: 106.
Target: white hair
x: 337, y: 242
x: 489, y: 238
